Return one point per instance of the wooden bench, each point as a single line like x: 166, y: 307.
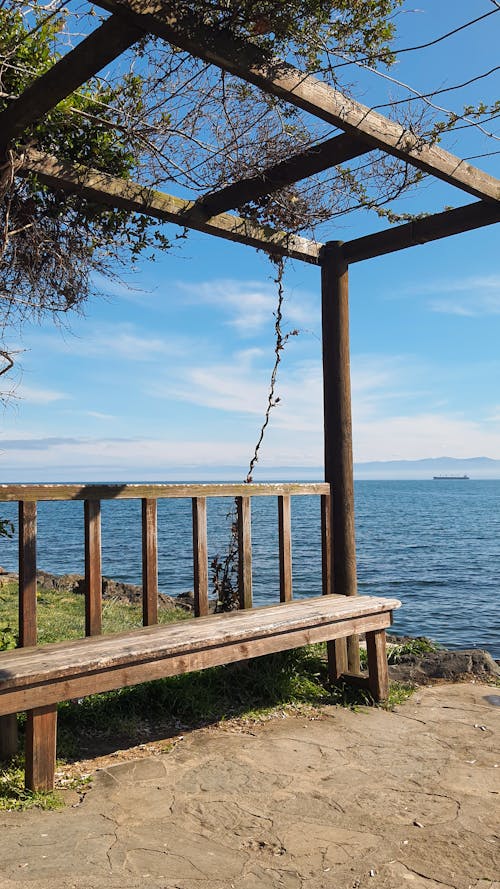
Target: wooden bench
x: 35, y: 679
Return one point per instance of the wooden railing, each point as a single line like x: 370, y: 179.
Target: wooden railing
x: 28, y: 495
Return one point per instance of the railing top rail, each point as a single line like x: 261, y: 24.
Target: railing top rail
x: 165, y: 491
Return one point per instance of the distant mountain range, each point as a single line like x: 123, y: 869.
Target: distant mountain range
x: 475, y: 467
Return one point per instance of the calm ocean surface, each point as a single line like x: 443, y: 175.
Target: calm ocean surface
x: 433, y: 544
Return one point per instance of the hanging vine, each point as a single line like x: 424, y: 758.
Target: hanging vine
x: 225, y: 567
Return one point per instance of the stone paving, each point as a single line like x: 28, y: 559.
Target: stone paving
x: 347, y: 800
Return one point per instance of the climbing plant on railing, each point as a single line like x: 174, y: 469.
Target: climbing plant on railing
x: 225, y: 567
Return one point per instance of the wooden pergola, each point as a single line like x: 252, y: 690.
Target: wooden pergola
x: 362, y: 131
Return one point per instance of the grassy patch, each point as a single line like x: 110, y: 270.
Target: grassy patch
x: 61, y: 615
x: 14, y: 796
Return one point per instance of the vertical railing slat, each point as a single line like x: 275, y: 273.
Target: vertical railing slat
x: 326, y: 544
x: 200, y: 556
x: 93, y: 568
x: 285, y: 547
x: 244, y: 519
x: 27, y: 573
x: 337, y: 648
x: 149, y: 562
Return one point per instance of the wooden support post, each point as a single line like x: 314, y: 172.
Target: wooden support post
x: 41, y: 730
x: 200, y: 556
x: 336, y: 650
x: 27, y: 573
x: 149, y: 562
x: 8, y: 736
x: 378, y: 674
x: 338, y: 430
x: 285, y: 547
x: 244, y: 551
x: 93, y: 571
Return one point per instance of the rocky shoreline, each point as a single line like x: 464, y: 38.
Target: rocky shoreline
x: 419, y: 668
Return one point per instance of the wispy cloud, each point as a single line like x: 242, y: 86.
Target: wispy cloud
x: 35, y: 395
x: 467, y: 297
x: 249, y: 305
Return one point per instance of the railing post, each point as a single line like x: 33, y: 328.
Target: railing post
x: 244, y: 520
x: 200, y: 556
x: 338, y: 429
x: 93, y: 570
x: 149, y: 562
x: 285, y: 547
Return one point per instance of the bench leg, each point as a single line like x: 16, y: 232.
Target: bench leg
x: 378, y: 674
x: 337, y: 659
x: 41, y: 729
x: 8, y: 736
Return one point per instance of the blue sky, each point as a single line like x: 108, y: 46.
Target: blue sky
x: 166, y: 376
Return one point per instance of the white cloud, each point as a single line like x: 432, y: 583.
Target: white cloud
x: 35, y: 395
x: 250, y: 304
x: 467, y: 297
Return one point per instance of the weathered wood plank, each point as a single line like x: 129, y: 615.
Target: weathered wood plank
x: 81, y: 684
x: 62, y: 659
x: 327, y: 544
x: 305, y: 163
x: 41, y: 731
x: 93, y: 570
x: 422, y: 231
x: 113, y: 192
x: 244, y: 520
x: 285, y: 547
x: 338, y: 426
x: 200, y: 556
x: 377, y: 664
x: 149, y: 562
x: 103, y: 45
x: 27, y: 573
x: 9, y: 493
x: 281, y: 79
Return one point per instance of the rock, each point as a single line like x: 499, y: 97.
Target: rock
x: 448, y: 665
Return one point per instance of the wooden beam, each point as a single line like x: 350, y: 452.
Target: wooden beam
x: 93, y: 568
x: 338, y: 429
x: 149, y: 514
x: 200, y: 556
x: 91, y: 55
x: 27, y: 573
x: 421, y: 231
x: 280, y: 79
x: 114, y: 192
x: 306, y: 163
x: 11, y: 493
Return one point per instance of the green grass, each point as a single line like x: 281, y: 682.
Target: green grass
x: 293, y: 680
x: 61, y: 615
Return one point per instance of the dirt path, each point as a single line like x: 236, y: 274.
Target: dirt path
x: 346, y: 801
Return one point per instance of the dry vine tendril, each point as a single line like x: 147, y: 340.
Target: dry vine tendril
x: 225, y: 568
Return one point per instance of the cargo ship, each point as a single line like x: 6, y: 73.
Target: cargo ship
x: 450, y: 477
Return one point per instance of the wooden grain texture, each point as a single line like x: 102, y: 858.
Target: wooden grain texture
x: 338, y: 428
x: 9, y: 493
x: 200, y: 556
x: 93, y: 570
x: 133, y: 197
x: 281, y: 79
x: 53, y: 678
x: 103, y: 45
x: 244, y: 521
x: 41, y: 731
x: 327, y: 545
x: 285, y: 547
x: 27, y: 573
x: 8, y: 736
x: 21, y: 667
x: 377, y: 664
x: 422, y: 231
x: 305, y: 163
x: 149, y: 562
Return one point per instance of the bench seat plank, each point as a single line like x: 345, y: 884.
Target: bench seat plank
x: 56, y: 660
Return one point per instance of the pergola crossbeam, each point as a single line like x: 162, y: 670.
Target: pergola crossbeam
x: 308, y: 162
x: 100, y: 48
x: 115, y: 192
x: 281, y: 79
x: 421, y: 231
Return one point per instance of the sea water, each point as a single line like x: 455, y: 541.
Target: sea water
x: 435, y: 545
